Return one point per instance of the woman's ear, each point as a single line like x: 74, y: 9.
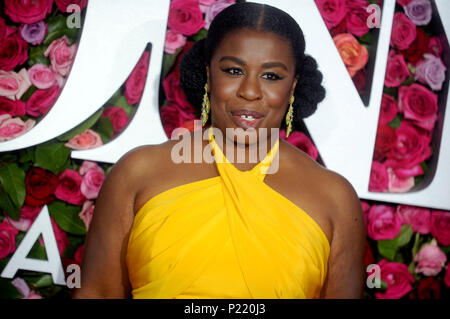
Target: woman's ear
x: 294, y: 85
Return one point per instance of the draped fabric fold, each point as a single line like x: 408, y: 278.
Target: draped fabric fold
x: 230, y: 236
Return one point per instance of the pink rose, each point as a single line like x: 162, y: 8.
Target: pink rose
x: 68, y: 188
x: 204, y: 4
x: 173, y: 41
x: 174, y: 92
x: 214, y: 10
x: 92, y: 182
x: 13, y: 85
x: 61, y: 55
x: 28, y: 11
x: 388, y: 110
x: 397, y: 184
x: 396, y: 70
x: 27, y: 216
x: 134, y: 86
x: 398, y: 280
x: 408, y: 172
x: 384, y: 141
x: 419, y: 105
x: 185, y: 17
x: 42, y: 100
x: 366, y: 208
x: 417, y: 217
x: 403, y: 32
x: 23, y: 289
x: 431, y: 259
x: 354, y: 55
x: 86, y: 213
x: 332, y: 11
x: 42, y: 76
x: 7, y: 239
x: 86, y: 140
x: 63, y: 4
x: 62, y: 241
x: 13, y: 108
x: 435, y: 46
x: 301, y: 141
x: 431, y: 71
x: 118, y: 117
x: 357, y: 17
x: 87, y: 165
x: 383, y: 223
x: 379, y: 180
x: 440, y: 226
x: 412, y: 146
x: 13, y: 52
x: 172, y: 117
x: 12, y: 127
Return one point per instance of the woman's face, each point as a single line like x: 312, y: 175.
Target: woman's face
x: 251, y: 71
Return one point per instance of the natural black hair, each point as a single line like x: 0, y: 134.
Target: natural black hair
x: 308, y: 92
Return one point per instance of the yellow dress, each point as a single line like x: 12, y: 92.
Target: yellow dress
x: 230, y: 236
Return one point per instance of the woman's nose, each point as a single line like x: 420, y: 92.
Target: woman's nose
x: 250, y: 88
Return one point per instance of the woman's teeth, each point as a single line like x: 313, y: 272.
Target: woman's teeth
x: 248, y: 118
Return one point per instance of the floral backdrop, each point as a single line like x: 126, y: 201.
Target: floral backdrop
x: 410, y: 244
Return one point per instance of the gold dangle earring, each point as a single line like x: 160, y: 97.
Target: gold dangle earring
x: 289, y: 117
x: 205, y: 106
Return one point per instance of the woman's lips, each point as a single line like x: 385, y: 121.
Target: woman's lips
x: 245, y: 124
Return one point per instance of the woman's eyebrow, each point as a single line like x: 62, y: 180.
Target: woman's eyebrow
x: 266, y: 65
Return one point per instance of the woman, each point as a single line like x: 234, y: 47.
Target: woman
x: 231, y: 230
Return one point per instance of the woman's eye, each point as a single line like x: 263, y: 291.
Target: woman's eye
x: 232, y: 71
x: 271, y: 76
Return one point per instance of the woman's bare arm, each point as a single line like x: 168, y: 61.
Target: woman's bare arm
x: 346, y: 271
x: 103, y: 271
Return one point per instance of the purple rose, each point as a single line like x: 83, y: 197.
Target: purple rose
x: 431, y: 71
x: 33, y: 33
x: 214, y: 10
x: 419, y: 11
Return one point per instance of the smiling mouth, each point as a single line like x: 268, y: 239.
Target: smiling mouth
x: 247, y: 119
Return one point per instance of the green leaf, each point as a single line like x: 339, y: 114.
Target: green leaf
x: 367, y: 38
x: 8, y: 157
x: 445, y: 249
x: 200, y: 35
x: 7, y: 204
x: 13, y: 181
x: 424, y: 167
x: 7, y: 290
x: 27, y: 156
x: 395, y: 123
x: 383, y: 285
x: 26, y: 96
x: 57, y: 28
x: 52, y: 156
x: 391, y: 91
x: 408, y: 81
x: 38, y: 251
x: 387, y: 248
x: 168, y: 62
x: 40, y: 281
x: 36, y: 55
x: 104, y: 127
x: 82, y: 127
x: 123, y: 103
x: 404, y: 236
x: 66, y: 216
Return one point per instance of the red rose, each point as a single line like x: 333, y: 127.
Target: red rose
x: 359, y: 80
x: 174, y: 92
x: 7, y: 239
x: 134, y: 86
x: 40, y: 186
x: 172, y: 117
x: 398, y: 279
x: 118, y: 117
x: 379, y: 179
x: 185, y: 17
x: 419, y: 105
x: 396, y: 70
x: 14, y: 108
x: 357, y: 17
x: 62, y: 241
x: 2, y: 28
x: 411, y: 147
x: 403, y: 2
x: 428, y: 288
x: 68, y: 189
x: 13, y: 52
x: 435, y: 46
x: 332, y: 11
x: 63, y: 4
x: 415, y: 51
x: 440, y: 226
x: 27, y: 11
x: 384, y: 141
x: 340, y: 28
x: 301, y: 141
x: 78, y: 257
x: 42, y: 100
x: 403, y: 31
x: 388, y: 110
x: 368, y: 257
